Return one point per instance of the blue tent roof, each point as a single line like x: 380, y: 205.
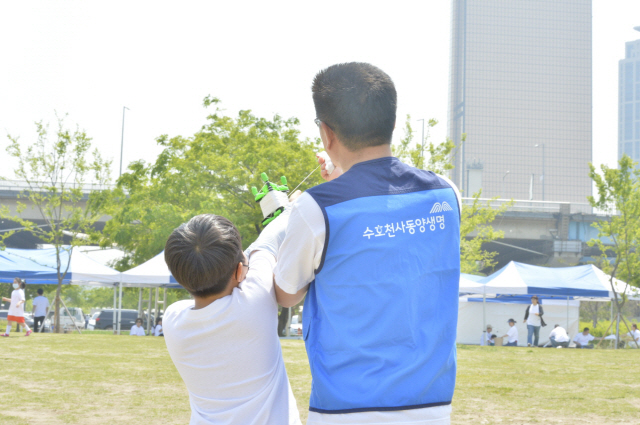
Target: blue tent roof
x: 38, y: 266
x: 524, y: 279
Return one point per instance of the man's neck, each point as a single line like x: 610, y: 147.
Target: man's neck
x: 348, y: 159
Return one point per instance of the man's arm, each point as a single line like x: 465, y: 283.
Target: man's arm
x: 289, y: 300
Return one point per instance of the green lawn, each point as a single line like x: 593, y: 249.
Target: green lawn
x: 97, y: 379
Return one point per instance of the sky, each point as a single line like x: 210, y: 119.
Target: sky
x: 159, y: 59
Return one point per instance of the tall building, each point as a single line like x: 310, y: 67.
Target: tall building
x: 628, y: 96
x: 520, y: 89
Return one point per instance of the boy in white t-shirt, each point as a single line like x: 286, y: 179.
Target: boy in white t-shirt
x: 224, y: 342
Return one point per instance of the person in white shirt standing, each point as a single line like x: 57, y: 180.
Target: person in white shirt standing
x: 533, y: 319
x: 16, y: 308
x: 137, y: 329
x: 583, y: 339
x: 40, y: 310
x: 512, y: 334
x: 559, y: 337
x: 224, y: 342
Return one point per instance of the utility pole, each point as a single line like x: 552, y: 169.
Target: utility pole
x: 122, y: 140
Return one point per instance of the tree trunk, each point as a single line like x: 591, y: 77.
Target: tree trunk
x: 57, y: 308
x: 282, y: 320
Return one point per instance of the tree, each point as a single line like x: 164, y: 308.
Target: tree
x: 56, y: 173
x: 618, y: 195
x: 475, y: 228
x: 210, y: 172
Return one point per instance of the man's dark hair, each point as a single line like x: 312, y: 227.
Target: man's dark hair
x: 585, y: 329
x: 203, y: 254
x: 358, y: 102
x: 40, y: 291
x: 633, y: 325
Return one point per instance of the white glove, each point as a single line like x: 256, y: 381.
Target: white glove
x: 272, y: 236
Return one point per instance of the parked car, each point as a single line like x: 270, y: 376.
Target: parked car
x: 28, y: 318
x: 66, y: 321
x: 295, y: 328
x: 104, y: 319
x: 92, y: 321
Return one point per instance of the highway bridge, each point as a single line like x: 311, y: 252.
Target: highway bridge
x: 535, y: 232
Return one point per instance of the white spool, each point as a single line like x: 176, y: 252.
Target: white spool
x: 273, y: 200
x: 327, y: 162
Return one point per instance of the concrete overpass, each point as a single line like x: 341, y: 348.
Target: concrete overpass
x: 544, y: 233
x: 540, y: 233
x: 10, y: 195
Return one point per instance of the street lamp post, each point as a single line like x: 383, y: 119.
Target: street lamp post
x: 502, y: 191
x: 122, y: 139
x: 543, y: 171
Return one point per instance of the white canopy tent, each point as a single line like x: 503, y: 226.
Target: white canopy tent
x: 567, y: 285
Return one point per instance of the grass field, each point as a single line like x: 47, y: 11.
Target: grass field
x: 98, y: 379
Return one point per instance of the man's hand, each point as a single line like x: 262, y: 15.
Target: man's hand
x: 337, y: 172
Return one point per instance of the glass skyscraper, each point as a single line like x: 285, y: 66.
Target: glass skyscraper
x: 520, y: 89
x: 629, y: 101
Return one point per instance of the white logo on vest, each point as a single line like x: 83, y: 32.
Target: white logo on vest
x: 438, y: 207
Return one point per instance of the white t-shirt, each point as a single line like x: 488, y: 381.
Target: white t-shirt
x: 486, y: 338
x: 40, y: 305
x: 583, y: 339
x: 559, y: 334
x: 512, y: 333
x: 229, y: 356
x: 534, y: 320
x: 298, y: 258
x: 157, y: 330
x: 137, y: 331
x: 16, y: 296
x: 635, y: 335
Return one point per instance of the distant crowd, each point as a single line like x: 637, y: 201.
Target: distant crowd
x: 558, y: 338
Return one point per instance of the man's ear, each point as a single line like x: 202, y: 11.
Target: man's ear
x: 331, y: 137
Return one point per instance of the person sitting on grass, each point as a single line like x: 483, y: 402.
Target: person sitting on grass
x: 488, y: 338
x: 583, y: 339
x: 137, y: 329
x: 635, y: 335
x: 224, y: 342
x: 512, y: 334
x: 157, y: 329
x: 16, y: 308
x: 559, y: 337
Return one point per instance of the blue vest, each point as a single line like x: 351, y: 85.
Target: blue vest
x: 380, y: 317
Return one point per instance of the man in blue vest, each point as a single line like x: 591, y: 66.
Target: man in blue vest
x: 376, y: 250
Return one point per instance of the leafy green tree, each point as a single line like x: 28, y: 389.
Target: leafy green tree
x: 618, y: 195
x: 475, y: 228
x: 209, y: 172
x: 56, y: 173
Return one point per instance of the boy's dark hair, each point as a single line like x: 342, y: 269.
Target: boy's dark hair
x: 40, y: 291
x: 585, y: 329
x: 358, y: 102
x: 139, y: 319
x: 203, y: 254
